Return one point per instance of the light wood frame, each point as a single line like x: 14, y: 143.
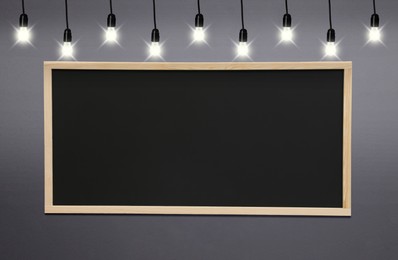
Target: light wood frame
x: 48, y: 180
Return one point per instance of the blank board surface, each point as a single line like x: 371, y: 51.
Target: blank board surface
x: 198, y: 138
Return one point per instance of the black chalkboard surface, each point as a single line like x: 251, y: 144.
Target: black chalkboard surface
x: 198, y: 138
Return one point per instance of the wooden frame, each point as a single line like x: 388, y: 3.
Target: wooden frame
x: 344, y: 211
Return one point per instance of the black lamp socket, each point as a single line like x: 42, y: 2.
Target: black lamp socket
x: 67, y: 35
x: 287, y: 20
x: 23, y: 20
x: 374, y: 20
x: 199, y: 20
x: 243, y: 35
x: 331, y: 36
x: 155, y: 37
x: 111, y: 21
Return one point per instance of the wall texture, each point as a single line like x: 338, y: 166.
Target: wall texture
x: 371, y: 232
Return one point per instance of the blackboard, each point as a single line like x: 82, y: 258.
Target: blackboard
x: 198, y: 138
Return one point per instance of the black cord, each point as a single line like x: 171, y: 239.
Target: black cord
x: 330, y: 14
x: 111, y: 7
x: 23, y: 6
x: 374, y: 6
x: 154, y: 14
x: 241, y: 14
x: 198, y: 6
x: 66, y: 14
x: 287, y: 9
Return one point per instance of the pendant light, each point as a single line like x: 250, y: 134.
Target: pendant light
x: 23, y: 33
x: 374, y: 31
x: 111, y: 33
x: 243, y: 48
x: 155, y: 48
x: 199, y: 33
x: 67, y: 47
x: 287, y: 33
x: 330, y: 48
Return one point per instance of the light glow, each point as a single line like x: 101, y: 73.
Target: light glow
x: 67, y: 50
x: 287, y: 34
x: 331, y: 49
x: 154, y: 49
x: 111, y: 35
x: 243, y: 49
x: 199, y: 34
x: 374, y: 34
x: 23, y: 35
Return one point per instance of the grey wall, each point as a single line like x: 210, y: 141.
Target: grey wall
x: 371, y: 232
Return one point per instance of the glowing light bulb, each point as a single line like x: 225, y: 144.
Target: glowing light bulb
x: 154, y: 49
x: 330, y: 49
x: 243, y: 49
x: 199, y: 34
x: 23, y: 34
x: 287, y: 34
x: 111, y: 34
x: 67, y: 49
x: 374, y: 34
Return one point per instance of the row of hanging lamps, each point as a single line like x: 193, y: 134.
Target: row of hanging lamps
x: 111, y: 35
